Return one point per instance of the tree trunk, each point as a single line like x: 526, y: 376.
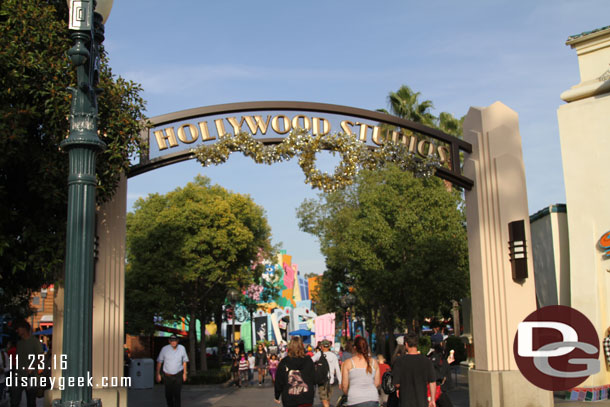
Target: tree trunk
x: 203, y: 364
x: 192, y: 343
x: 221, y: 341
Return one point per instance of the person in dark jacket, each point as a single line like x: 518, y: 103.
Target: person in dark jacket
x: 294, y: 380
x: 261, y: 363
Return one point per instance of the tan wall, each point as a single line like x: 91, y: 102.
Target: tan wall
x: 585, y: 143
x: 584, y: 128
x: 499, y: 303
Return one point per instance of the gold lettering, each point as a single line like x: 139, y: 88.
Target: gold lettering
x: 399, y: 137
x: 275, y: 124
x: 236, y: 126
x: 412, y: 143
x: 363, y: 129
x: 316, y: 126
x: 182, y: 136
x: 165, y: 135
x: 443, y: 154
x: 306, y: 122
x: 257, y: 123
x: 421, y: 148
x: 376, y: 137
x: 205, y: 132
x: 220, y: 128
x: 346, y: 127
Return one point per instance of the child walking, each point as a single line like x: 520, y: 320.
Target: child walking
x: 244, y: 369
x: 273, y: 362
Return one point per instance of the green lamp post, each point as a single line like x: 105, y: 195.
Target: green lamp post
x: 82, y: 145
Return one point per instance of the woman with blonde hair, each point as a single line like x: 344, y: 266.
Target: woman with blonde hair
x: 294, y: 378
x: 360, y: 377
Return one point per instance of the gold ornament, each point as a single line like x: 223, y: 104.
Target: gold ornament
x: 354, y: 154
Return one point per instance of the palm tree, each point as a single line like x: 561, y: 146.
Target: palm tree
x: 450, y: 124
x: 405, y: 104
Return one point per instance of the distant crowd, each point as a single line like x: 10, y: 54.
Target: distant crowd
x: 297, y: 370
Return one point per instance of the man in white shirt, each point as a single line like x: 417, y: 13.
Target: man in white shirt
x: 325, y: 390
x: 173, y: 357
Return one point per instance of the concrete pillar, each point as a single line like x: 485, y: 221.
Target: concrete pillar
x: 499, y: 303
x: 584, y: 128
x: 108, y: 304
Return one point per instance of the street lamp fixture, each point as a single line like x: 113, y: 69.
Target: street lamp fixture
x: 86, y: 25
x: 233, y: 296
x: 347, y: 301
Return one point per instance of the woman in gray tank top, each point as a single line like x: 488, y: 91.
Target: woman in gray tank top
x: 360, y: 377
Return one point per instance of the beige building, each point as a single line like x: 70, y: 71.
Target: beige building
x: 584, y: 127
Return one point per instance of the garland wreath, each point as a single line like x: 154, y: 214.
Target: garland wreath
x: 354, y: 155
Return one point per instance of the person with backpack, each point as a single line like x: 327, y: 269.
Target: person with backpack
x: 294, y: 379
x: 326, y: 367
x: 360, y: 377
x: 442, y: 371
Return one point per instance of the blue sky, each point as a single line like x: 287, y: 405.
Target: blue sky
x: 458, y: 54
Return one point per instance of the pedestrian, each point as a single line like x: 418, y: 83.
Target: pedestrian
x: 325, y: 390
x: 294, y: 380
x: 399, y: 350
x: 437, y: 335
x: 273, y: 362
x: 383, y: 367
x: 5, y: 369
x: 261, y: 363
x: 235, y: 359
x: 442, y: 373
x: 29, y: 349
x: 251, y: 365
x: 273, y: 349
x: 347, y: 350
x: 360, y: 377
x: 244, y: 369
x: 173, y: 357
x: 412, y: 373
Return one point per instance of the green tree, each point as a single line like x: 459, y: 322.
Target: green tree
x: 405, y: 104
x: 398, y: 240
x: 35, y: 73
x: 186, y: 248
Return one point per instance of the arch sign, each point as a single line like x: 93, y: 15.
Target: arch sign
x: 258, y: 129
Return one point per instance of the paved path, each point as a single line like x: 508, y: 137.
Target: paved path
x: 254, y: 396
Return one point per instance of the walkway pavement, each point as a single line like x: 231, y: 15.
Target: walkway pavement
x: 254, y: 396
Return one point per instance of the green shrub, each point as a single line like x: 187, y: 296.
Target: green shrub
x: 455, y: 343
x: 211, y: 376
x: 424, y: 344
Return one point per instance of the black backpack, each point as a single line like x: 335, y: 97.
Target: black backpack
x: 321, y: 370
x: 387, y: 383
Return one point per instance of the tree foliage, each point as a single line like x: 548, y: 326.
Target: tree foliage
x: 397, y: 240
x: 35, y: 73
x: 185, y: 248
x: 406, y: 104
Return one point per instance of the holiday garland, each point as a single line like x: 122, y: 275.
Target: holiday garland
x: 354, y: 155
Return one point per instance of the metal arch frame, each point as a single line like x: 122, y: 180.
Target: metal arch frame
x: 456, y: 145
